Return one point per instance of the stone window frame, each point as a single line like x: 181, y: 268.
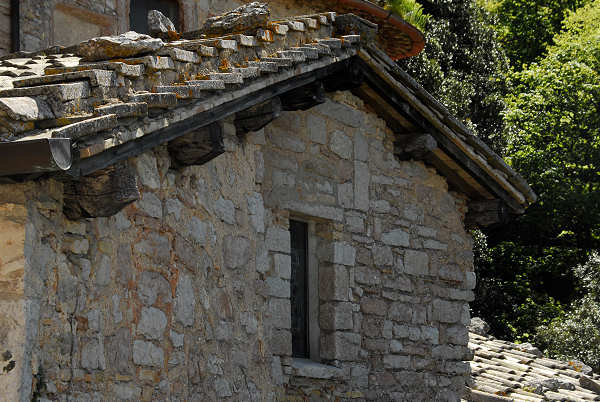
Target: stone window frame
x: 313, y: 367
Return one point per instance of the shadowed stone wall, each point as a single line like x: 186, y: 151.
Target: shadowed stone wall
x: 184, y: 295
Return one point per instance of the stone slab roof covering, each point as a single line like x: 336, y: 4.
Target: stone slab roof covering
x: 84, y: 108
x: 504, y: 371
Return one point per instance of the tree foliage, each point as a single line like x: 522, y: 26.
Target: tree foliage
x: 527, y: 27
x: 463, y: 65
x: 576, y: 334
x: 553, y: 133
x: 410, y: 11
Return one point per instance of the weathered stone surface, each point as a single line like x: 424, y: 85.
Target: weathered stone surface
x: 396, y: 362
x: 344, y: 254
x: 92, y: 355
x: 245, y: 18
x: 446, y: 311
x: 151, y: 205
x: 283, y: 265
x: 479, y: 326
x: 148, y: 171
x: 396, y: 237
x: 113, y: 47
x: 158, y: 23
x: 185, y: 301
x: 336, y: 316
x: 416, y: 263
x: 362, y: 180
x: 341, y: 145
x: 278, y: 239
x: 152, y: 323
x: 25, y: 108
x: 147, y: 354
x: 236, y: 251
x: 225, y: 210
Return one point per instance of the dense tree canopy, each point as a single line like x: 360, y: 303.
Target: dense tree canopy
x: 553, y: 134
x: 527, y: 27
x: 463, y: 65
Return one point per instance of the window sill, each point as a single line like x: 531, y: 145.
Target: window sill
x: 311, y: 369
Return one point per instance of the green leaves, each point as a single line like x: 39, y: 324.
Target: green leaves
x: 410, y: 11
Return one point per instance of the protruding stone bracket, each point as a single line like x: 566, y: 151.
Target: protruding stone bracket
x: 416, y: 146
x: 304, y: 98
x: 485, y: 213
x: 102, y: 193
x: 256, y: 117
x: 198, y: 147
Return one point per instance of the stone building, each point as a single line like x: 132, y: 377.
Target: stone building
x: 256, y: 209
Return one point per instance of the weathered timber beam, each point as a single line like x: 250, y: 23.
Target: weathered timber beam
x: 198, y: 147
x: 304, y: 97
x: 414, y: 146
x: 486, y: 213
x: 102, y: 193
x: 350, y: 78
x: 444, y: 142
x: 256, y: 117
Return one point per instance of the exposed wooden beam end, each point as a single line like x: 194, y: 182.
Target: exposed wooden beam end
x: 102, y: 193
x: 485, y: 213
x: 256, y: 117
x: 415, y: 146
x: 197, y: 147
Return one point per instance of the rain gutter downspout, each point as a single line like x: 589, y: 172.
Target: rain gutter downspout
x: 35, y: 156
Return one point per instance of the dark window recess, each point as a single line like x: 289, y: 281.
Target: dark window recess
x: 299, y: 290
x: 138, y: 13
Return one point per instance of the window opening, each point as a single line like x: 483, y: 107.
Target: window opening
x: 299, y: 289
x: 138, y: 13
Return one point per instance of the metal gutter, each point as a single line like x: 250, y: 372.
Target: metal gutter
x: 35, y: 156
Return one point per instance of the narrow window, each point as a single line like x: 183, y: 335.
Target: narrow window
x: 299, y: 289
x: 138, y: 13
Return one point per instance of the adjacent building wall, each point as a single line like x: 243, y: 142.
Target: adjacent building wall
x: 66, y: 22
x: 185, y: 295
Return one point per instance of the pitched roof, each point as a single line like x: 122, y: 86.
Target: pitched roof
x: 505, y: 371
x: 84, y: 108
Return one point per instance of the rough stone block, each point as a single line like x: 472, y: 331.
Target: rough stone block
x: 416, y: 263
x: 451, y: 273
x: 362, y: 178
x: 236, y: 251
x: 400, y: 312
x: 280, y: 313
x: 281, y: 342
x: 256, y: 210
x: 383, y: 256
x: 152, y: 323
x: 336, y: 316
x: 396, y: 237
x: 278, y: 239
x: 396, y: 362
x: 344, y: 254
x: 278, y: 287
x: 367, y: 276
x: 447, y: 311
x: 92, y: 355
x: 457, y: 335
x: 341, y: 145
x: 340, y: 346
x: 283, y: 265
x: 147, y: 354
x: 185, y: 301
x: 225, y: 210
x: 151, y: 205
x: 333, y: 283
x: 373, y: 305
x: 148, y: 171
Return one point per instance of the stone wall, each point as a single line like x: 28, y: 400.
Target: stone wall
x: 394, y: 261
x: 5, y: 27
x: 185, y: 294
x: 67, y: 22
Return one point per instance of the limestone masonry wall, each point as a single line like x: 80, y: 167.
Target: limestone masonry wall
x: 185, y: 294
